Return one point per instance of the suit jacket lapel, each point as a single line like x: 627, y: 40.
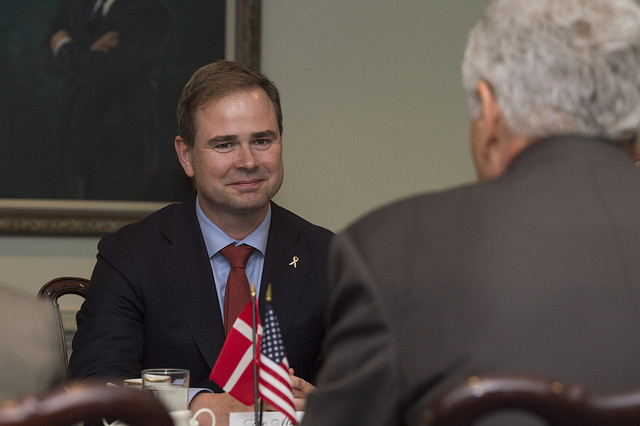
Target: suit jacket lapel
x: 186, y: 267
x: 286, y: 274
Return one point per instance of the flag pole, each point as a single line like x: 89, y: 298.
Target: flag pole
x: 268, y: 298
x: 255, y: 367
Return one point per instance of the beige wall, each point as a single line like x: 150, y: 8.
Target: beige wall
x: 373, y: 111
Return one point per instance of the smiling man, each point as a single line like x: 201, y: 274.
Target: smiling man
x: 158, y: 290
x: 235, y: 159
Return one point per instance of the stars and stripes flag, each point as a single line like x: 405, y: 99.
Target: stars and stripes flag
x: 274, y: 382
x: 233, y: 370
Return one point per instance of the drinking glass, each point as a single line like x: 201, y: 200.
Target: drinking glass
x: 169, y: 385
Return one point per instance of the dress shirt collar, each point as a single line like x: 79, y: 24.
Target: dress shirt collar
x: 215, y: 239
x: 105, y: 8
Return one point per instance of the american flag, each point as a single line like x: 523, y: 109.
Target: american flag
x: 233, y: 370
x: 274, y: 383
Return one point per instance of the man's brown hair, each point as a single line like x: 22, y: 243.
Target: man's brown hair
x: 213, y: 82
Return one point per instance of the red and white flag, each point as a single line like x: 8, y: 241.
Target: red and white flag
x: 233, y: 370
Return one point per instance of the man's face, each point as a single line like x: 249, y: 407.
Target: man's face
x: 237, y: 155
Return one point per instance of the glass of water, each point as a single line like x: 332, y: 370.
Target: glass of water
x: 169, y: 385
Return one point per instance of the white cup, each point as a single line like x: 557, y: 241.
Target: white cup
x: 184, y: 418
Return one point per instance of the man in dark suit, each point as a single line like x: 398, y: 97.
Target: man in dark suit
x: 107, y: 56
x: 158, y: 288
x: 533, y: 270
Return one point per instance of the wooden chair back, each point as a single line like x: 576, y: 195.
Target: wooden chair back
x: 86, y: 402
x: 556, y: 403
x: 52, y: 291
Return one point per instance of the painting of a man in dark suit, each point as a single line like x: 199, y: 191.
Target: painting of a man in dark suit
x: 107, y: 55
x: 93, y: 116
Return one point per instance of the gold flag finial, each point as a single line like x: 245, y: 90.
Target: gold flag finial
x: 268, y: 298
x: 253, y: 290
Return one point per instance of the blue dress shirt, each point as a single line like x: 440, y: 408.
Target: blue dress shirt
x: 215, y: 240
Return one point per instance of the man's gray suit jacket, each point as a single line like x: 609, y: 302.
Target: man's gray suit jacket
x: 535, y: 271
x: 30, y: 356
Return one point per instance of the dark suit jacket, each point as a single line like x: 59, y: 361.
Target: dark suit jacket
x: 152, y: 300
x: 109, y: 105
x: 535, y: 271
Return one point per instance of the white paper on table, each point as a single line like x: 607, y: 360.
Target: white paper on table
x: 269, y: 418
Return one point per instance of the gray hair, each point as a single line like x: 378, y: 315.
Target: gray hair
x: 559, y: 66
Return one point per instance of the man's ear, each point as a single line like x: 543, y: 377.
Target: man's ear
x: 490, y: 118
x: 184, y: 155
x: 493, y: 145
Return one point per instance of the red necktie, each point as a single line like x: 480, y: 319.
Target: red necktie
x: 237, y: 294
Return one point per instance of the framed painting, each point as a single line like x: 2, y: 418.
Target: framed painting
x: 86, y: 138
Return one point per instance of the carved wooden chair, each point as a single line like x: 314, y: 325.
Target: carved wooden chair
x: 85, y: 402
x: 56, y: 288
x: 554, y: 402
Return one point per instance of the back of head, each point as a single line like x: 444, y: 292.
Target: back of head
x: 559, y: 66
x: 214, y: 81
